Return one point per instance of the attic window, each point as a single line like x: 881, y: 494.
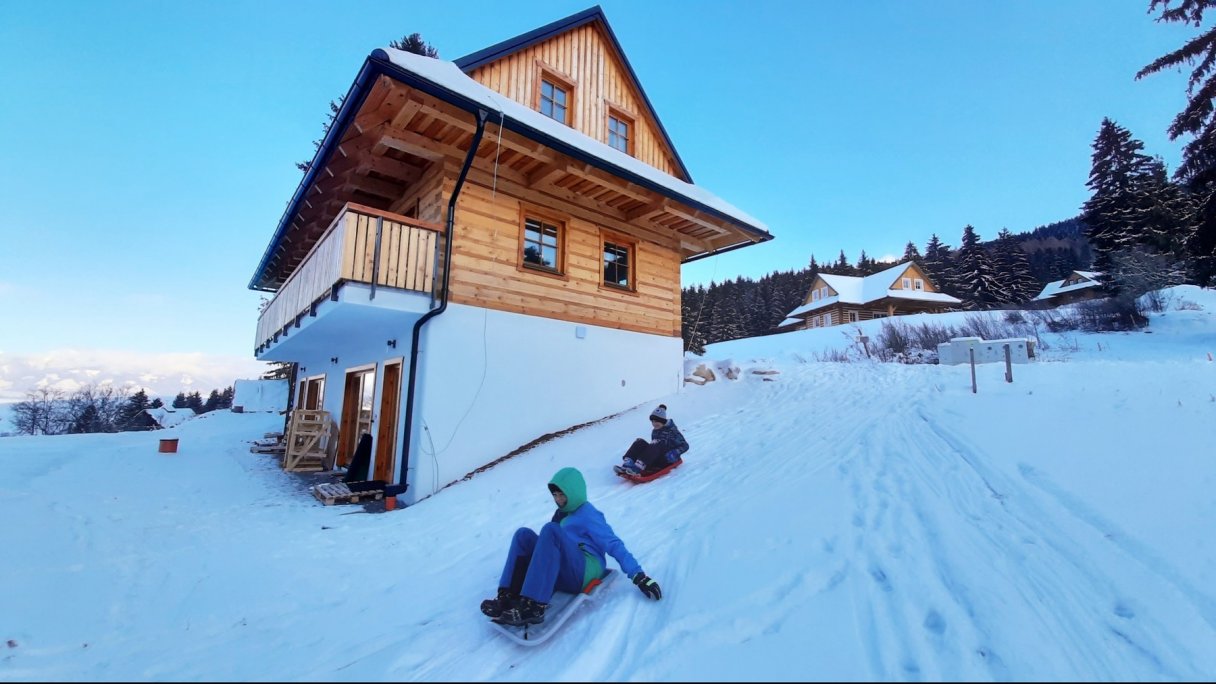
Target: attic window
x: 555, y: 96
x: 620, y: 131
x: 918, y: 284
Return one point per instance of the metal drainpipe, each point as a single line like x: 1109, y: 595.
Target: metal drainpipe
x: 402, y: 485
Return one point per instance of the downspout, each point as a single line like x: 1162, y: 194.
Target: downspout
x: 449, y: 228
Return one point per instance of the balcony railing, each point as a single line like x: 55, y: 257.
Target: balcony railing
x: 362, y: 245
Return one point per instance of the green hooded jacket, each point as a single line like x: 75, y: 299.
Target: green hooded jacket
x: 587, y: 526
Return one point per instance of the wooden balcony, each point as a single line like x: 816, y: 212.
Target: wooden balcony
x: 361, y: 245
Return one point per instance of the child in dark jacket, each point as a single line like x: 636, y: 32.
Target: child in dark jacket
x: 568, y: 554
x: 666, y: 446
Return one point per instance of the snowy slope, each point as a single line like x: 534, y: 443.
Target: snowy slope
x: 852, y: 521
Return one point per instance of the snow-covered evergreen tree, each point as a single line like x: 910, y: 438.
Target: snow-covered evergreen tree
x: 1017, y: 285
x: 974, y: 275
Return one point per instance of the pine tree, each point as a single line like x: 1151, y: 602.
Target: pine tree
x: 974, y: 274
x: 415, y: 44
x: 1013, y: 270
x: 911, y: 253
x: 1197, y: 120
x: 226, y: 397
x: 130, y: 412
x: 180, y: 400
x: 865, y: 264
x: 213, y: 401
x: 1111, y: 213
x: 156, y: 403
x: 939, y: 264
x: 194, y: 400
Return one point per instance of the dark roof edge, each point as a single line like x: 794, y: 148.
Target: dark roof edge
x: 497, y: 51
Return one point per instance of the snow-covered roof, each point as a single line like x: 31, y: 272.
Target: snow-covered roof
x: 1057, y: 286
x: 790, y: 321
x: 858, y: 290
x: 449, y: 76
x: 167, y: 416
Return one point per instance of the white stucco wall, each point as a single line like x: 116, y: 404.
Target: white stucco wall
x: 491, y: 381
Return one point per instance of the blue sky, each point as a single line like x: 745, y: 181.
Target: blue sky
x: 147, y: 149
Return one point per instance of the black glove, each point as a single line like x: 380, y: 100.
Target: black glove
x: 648, y: 586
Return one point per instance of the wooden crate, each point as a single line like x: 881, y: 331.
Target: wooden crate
x: 338, y: 493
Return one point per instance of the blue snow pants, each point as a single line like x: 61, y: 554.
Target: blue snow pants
x: 537, y: 565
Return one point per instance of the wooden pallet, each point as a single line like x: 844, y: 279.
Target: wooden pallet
x: 307, y: 441
x: 338, y: 493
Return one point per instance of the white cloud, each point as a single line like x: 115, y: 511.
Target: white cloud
x: 163, y: 374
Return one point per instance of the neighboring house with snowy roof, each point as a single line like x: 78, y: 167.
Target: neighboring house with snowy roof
x: 511, y: 224
x: 167, y: 416
x: 837, y: 299
x: 1078, y: 286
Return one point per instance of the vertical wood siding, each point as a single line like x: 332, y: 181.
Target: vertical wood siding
x: 586, y: 56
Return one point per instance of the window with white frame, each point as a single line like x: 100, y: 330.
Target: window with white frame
x: 906, y: 283
x: 918, y: 284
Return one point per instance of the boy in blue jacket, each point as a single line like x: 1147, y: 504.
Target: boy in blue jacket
x: 566, y: 555
x: 666, y: 446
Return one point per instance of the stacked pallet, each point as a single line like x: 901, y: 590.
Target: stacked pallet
x: 308, y: 436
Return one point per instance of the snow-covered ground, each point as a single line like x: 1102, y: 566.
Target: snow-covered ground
x: 834, y: 521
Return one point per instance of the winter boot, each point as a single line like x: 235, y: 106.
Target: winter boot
x: 629, y: 467
x: 495, y: 607
x: 525, y: 611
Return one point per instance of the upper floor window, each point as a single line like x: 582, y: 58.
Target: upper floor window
x: 906, y: 283
x: 815, y: 295
x: 618, y: 264
x: 918, y: 284
x: 542, y: 241
x: 554, y: 101
x: 620, y: 131
x: 555, y: 94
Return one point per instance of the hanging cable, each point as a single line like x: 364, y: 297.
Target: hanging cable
x: 692, y: 336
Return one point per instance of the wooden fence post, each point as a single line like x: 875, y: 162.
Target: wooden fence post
x: 1008, y: 364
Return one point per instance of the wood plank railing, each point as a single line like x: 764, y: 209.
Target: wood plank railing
x: 361, y: 245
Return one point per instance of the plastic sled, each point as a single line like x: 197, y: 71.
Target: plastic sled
x: 647, y: 477
x: 561, y: 607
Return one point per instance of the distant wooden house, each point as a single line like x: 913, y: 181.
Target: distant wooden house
x: 1078, y: 286
x: 837, y: 299
x: 485, y: 251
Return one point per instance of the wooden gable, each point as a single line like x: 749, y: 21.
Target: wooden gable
x: 912, y: 272
x: 579, y: 52
x: 816, y: 284
x: 1074, y: 278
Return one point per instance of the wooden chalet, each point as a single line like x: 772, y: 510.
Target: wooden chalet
x: 836, y: 299
x: 1077, y: 287
x: 523, y: 205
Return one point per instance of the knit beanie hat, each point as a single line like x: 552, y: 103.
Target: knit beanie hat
x: 659, y: 414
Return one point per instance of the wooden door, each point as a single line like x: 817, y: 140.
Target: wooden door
x: 356, y: 411
x: 386, y: 435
